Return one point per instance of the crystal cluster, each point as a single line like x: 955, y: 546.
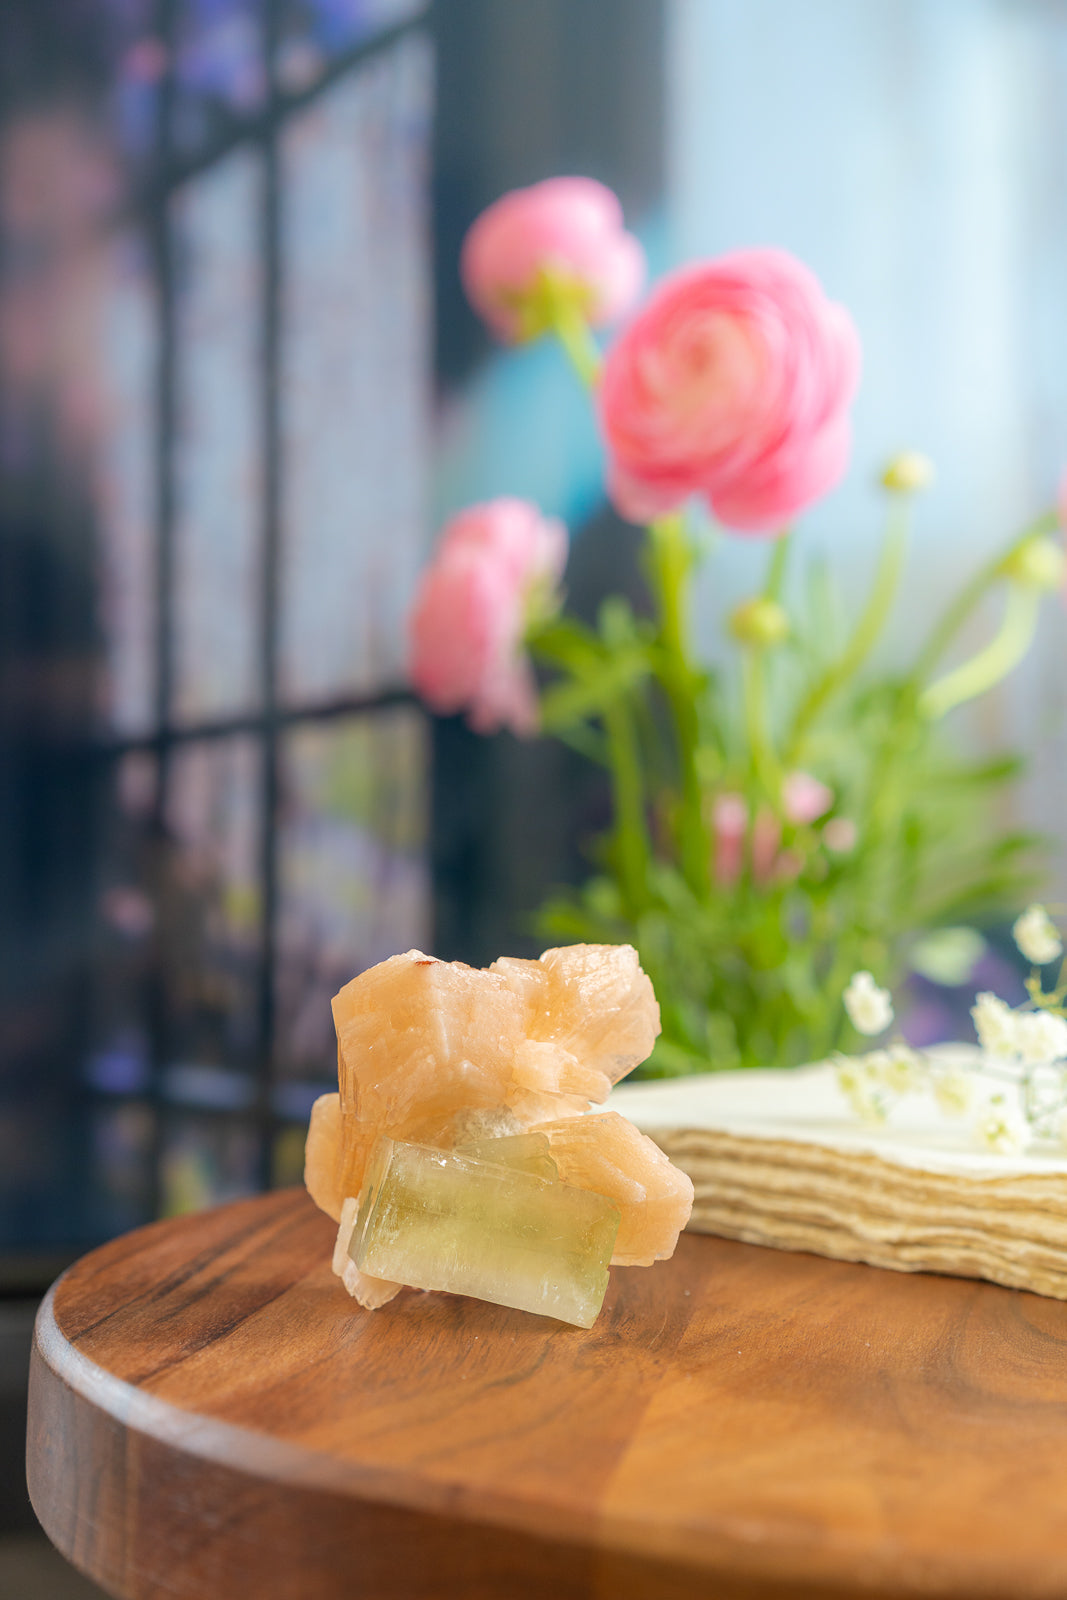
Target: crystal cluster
x: 462, y: 1152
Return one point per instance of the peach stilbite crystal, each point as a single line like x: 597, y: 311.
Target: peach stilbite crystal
x: 591, y: 1015
x: 444, y: 1056
x: 607, y: 1154
x: 324, y: 1174
x: 420, y: 1041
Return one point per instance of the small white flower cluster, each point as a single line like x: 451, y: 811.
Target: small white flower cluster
x: 1032, y: 1037
x: 862, y: 1089
x: 871, y: 1082
x: 1025, y: 1049
x: 1037, y: 937
x: 1002, y: 1127
x: 999, y: 1122
x: 870, y: 1009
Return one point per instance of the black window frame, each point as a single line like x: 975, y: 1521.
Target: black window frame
x: 151, y: 209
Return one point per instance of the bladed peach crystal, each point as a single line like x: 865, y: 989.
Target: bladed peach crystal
x: 606, y: 1153
x: 442, y: 1055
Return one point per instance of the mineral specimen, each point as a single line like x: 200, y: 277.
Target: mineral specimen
x: 469, y: 1089
x: 525, y: 1152
x: 421, y: 1043
x: 605, y: 1153
x: 436, y: 1219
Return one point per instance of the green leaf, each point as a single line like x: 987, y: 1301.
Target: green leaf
x: 618, y: 627
x: 564, y: 704
x: 566, y: 643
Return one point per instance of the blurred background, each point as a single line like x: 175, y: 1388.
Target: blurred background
x: 239, y: 389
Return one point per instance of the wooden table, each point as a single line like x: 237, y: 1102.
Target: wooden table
x: 212, y: 1417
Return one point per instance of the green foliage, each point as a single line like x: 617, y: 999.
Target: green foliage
x: 749, y: 963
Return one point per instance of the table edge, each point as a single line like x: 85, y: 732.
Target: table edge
x: 709, y: 1551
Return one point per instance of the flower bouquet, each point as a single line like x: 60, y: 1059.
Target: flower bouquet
x: 779, y: 824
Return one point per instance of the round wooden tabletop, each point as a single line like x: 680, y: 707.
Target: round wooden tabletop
x: 212, y: 1417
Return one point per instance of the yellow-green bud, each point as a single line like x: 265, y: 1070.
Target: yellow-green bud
x: 759, y: 622
x: 1039, y: 561
x: 908, y: 472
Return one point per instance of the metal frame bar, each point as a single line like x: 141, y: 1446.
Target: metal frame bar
x: 152, y: 205
x: 162, y: 257
x: 258, y: 126
x: 270, y: 557
x: 259, y: 722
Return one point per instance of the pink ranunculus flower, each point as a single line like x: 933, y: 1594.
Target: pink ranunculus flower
x: 569, y: 227
x: 495, y: 564
x: 734, y: 382
x: 805, y: 799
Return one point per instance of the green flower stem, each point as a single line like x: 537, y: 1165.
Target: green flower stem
x: 826, y: 1034
x: 575, y: 335
x: 753, y: 700
x: 993, y: 663
x: 754, y: 684
x: 671, y: 562
x: 866, y: 633
x: 772, y: 589
x: 971, y: 595
x: 670, y: 565
x: 906, y: 721
x: 631, y: 833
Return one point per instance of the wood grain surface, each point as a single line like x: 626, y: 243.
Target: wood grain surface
x: 212, y: 1417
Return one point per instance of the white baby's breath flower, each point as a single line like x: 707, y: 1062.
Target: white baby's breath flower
x: 995, y: 1024
x: 859, y: 1085
x: 1040, y: 1036
x: 898, y: 1067
x: 954, y: 1092
x: 1002, y: 1127
x: 903, y: 1069
x: 870, y: 1009
x: 875, y: 1063
x: 1037, y: 936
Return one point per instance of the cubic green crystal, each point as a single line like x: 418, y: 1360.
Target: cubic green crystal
x: 436, y: 1219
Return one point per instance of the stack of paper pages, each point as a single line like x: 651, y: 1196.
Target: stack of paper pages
x: 777, y: 1158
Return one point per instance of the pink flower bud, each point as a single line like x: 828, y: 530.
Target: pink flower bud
x: 733, y: 382
x: 493, y: 564
x: 570, y: 228
x: 729, y: 824
x: 805, y: 799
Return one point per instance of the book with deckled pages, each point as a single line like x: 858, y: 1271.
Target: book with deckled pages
x: 778, y: 1158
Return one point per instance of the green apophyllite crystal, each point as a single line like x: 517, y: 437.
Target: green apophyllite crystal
x: 525, y: 1152
x: 436, y: 1219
